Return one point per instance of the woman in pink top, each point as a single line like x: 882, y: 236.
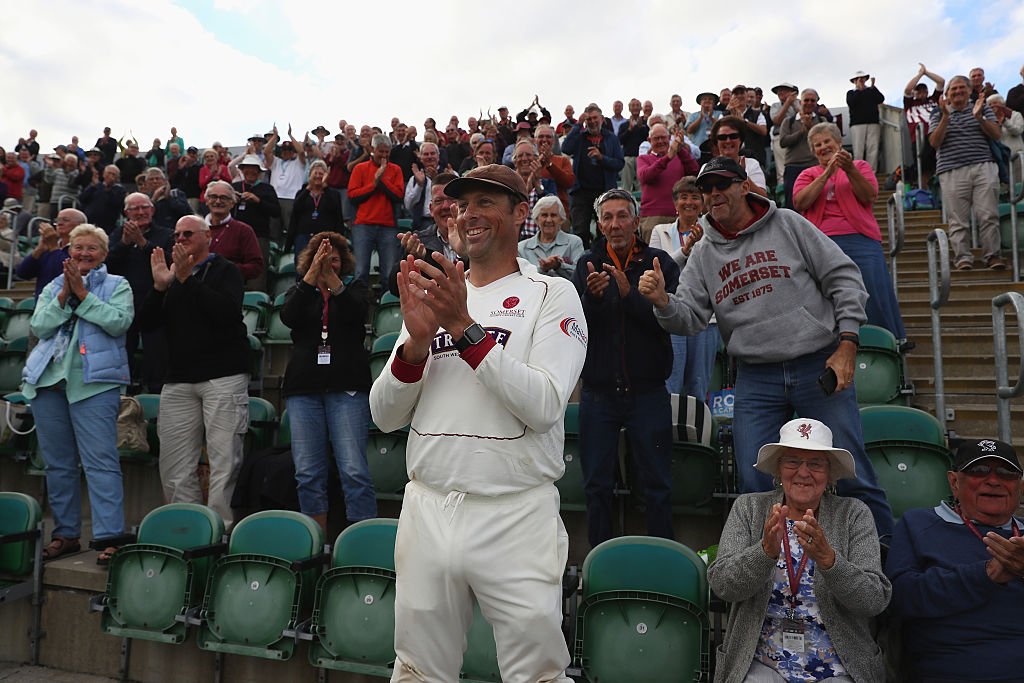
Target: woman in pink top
x: 212, y: 169
x: 668, y: 161
x: 837, y: 196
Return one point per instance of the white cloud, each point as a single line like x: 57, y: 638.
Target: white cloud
x: 146, y: 66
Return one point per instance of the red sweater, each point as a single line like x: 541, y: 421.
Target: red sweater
x: 235, y: 241
x: 14, y: 177
x: 373, y: 200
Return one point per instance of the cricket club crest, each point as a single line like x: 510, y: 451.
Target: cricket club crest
x: 804, y: 431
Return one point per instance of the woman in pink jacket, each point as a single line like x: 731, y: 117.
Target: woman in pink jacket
x: 837, y: 196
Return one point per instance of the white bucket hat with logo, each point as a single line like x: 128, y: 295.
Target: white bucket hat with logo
x: 809, y: 435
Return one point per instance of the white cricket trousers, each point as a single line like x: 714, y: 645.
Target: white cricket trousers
x: 510, y: 552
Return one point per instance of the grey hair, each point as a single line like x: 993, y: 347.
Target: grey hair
x: 825, y: 128
x: 524, y: 143
x: 112, y: 166
x: 380, y: 140
x: 547, y: 202
x: 80, y: 217
x: 807, y: 90
x: 153, y: 170
x: 222, y: 184
x: 89, y: 230
x: 319, y: 163
x: 141, y: 195
x: 958, y: 77
x: 617, y: 193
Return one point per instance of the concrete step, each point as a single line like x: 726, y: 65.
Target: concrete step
x: 964, y: 341
x: 980, y: 363
x: 975, y: 416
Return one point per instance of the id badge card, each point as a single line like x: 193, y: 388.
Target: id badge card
x: 323, y: 355
x: 792, y: 636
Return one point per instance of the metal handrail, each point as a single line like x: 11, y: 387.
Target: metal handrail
x: 918, y: 149
x: 1004, y: 392
x: 895, y: 225
x: 1014, y: 198
x: 13, y: 221
x: 938, y: 287
x: 60, y: 202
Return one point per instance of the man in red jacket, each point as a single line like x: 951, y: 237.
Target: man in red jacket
x: 375, y: 187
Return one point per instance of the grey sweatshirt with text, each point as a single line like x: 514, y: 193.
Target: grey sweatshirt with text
x: 780, y: 289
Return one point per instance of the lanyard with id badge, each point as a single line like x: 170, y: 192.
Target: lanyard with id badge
x: 793, y: 639
x: 323, y: 351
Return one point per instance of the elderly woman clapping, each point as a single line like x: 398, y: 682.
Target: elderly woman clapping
x: 802, y: 569
x: 73, y: 380
x: 552, y: 250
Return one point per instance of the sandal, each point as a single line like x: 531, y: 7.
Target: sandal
x: 59, y: 546
x: 103, y: 559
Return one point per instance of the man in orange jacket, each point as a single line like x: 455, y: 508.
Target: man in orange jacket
x: 376, y: 186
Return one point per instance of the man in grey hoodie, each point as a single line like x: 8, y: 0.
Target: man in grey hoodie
x: 789, y: 305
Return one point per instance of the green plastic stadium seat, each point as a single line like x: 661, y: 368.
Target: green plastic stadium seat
x: 387, y: 319
x: 285, y: 262
x: 695, y: 471
x: 284, y: 431
x: 17, y: 325
x: 878, y: 375
x: 353, y: 624
x: 12, y: 361
x: 907, y: 449
x: 480, y: 660
x: 570, y: 487
x: 388, y: 298
x: 21, y: 559
x: 263, y: 586
x: 277, y: 331
x: 153, y: 583
x: 262, y: 423
x: 385, y: 454
x: 385, y: 342
x: 256, y: 299
x: 28, y: 304
x: 643, y: 614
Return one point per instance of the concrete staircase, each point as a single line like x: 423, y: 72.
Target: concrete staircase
x: 967, y: 344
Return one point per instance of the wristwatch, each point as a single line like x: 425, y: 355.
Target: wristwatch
x: 472, y: 335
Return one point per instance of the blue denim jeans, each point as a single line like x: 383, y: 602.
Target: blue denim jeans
x: 366, y: 238
x: 882, y: 308
x: 768, y: 395
x: 693, y: 362
x: 86, y: 431
x: 343, y: 420
x: 647, y: 418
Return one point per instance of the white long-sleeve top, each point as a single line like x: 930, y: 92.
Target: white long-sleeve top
x: 489, y: 422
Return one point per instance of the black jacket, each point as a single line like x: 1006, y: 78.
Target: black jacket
x: 257, y: 214
x: 202, y: 323
x: 103, y: 205
x: 329, y: 216
x: 346, y: 314
x: 628, y: 349
x: 132, y: 262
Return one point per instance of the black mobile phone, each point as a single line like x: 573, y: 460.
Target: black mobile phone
x: 828, y: 381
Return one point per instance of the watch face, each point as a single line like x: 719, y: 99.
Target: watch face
x: 474, y: 334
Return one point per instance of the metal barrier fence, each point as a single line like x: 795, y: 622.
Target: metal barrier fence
x: 896, y: 230
x: 1004, y: 392
x: 938, y: 288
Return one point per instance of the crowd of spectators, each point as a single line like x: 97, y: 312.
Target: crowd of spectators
x: 687, y: 235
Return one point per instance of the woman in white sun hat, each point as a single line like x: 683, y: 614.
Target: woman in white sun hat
x: 801, y: 566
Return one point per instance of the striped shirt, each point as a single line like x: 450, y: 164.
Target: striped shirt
x: 965, y: 142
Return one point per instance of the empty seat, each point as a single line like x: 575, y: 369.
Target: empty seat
x: 27, y: 304
x: 643, y: 614
x: 380, y: 352
x: 878, y: 373
x: 284, y: 431
x: 385, y: 455
x: 17, y: 325
x: 263, y: 586
x: 12, y: 361
x: 153, y: 583
x: 907, y: 449
x: 21, y: 559
x: 387, y: 319
x: 262, y: 423
x: 570, y: 487
x: 353, y: 625
x: 277, y: 331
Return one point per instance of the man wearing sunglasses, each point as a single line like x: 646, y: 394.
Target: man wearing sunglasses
x: 957, y: 573
x: 789, y: 305
x: 197, y: 303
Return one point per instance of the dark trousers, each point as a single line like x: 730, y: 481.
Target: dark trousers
x: 581, y: 212
x: 647, y: 417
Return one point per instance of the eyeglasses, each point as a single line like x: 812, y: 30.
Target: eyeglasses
x: 137, y: 207
x: 793, y: 462
x: 219, y: 198
x: 727, y: 136
x: 706, y: 186
x: 981, y: 471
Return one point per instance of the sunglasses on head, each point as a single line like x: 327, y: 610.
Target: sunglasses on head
x: 716, y: 183
x: 981, y: 470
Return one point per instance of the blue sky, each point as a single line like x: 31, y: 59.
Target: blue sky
x: 224, y: 69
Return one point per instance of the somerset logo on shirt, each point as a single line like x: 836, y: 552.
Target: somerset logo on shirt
x: 443, y: 343
x: 509, y: 309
